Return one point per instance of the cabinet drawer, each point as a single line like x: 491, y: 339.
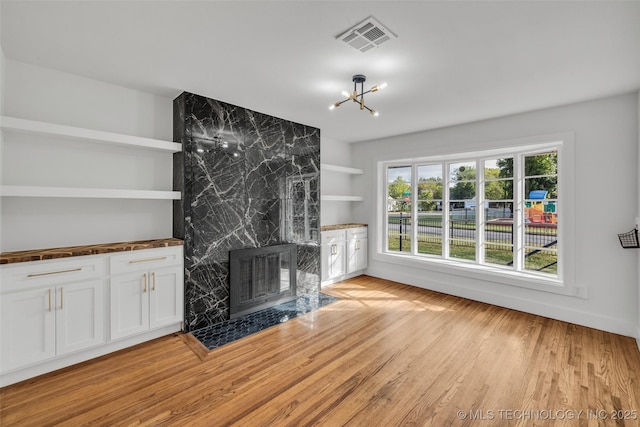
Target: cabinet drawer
x: 357, y: 233
x: 23, y: 275
x: 146, y: 259
x: 333, y: 236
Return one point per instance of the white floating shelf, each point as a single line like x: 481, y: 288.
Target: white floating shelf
x: 341, y: 169
x: 87, y: 193
x: 329, y: 198
x: 74, y: 133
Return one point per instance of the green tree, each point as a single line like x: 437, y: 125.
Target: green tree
x: 398, y: 187
x: 465, y: 187
x: 494, y: 190
x: 429, y: 190
x: 536, y: 166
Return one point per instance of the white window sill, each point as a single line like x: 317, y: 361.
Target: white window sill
x: 484, y: 272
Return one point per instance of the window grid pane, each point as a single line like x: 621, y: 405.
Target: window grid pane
x: 447, y: 223
x: 429, y: 207
x: 399, y: 208
x: 462, y: 249
x: 498, y: 254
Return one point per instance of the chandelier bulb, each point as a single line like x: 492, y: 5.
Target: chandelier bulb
x: 378, y: 87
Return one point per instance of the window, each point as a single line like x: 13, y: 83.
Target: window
x: 498, y: 209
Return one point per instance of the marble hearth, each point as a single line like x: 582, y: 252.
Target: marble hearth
x: 248, y: 180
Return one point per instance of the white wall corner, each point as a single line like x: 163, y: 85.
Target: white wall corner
x: 638, y: 220
x: 335, y: 181
x: 597, y: 259
x: 2, y: 73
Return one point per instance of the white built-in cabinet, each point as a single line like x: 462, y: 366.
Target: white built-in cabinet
x: 55, y: 313
x: 61, y: 133
x: 324, y: 167
x: 145, y: 292
x: 334, y: 254
x: 356, y: 249
x: 72, y: 320
x: 344, y: 253
x: 50, y: 309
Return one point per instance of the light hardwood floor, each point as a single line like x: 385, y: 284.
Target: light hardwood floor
x: 385, y: 355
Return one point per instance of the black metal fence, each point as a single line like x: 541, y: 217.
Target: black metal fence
x: 429, y: 230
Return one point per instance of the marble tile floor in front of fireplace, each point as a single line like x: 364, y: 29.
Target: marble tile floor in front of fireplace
x: 234, y: 329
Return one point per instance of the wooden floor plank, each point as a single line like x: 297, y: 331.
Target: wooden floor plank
x: 385, y: 354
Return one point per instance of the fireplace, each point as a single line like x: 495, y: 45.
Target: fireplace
x: 261, y: 278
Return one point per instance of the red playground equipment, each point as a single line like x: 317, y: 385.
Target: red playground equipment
x: 539, y: 211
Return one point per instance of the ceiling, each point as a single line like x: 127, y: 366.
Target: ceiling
x: 453, y: 61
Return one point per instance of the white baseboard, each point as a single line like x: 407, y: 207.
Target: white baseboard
x: 565, y: 314
x: 341, y: 278
x: 36, y: 369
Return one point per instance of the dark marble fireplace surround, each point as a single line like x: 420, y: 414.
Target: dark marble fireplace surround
x: 248, y: 180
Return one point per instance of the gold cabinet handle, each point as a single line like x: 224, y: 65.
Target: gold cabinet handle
x: 54, y: 272
x: 61, y: 299
x: 135, y: 261
x: 49, y: 299
x: 145, y: 283
x: 153, y: 281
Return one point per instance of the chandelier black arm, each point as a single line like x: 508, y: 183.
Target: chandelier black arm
x: 369, y: 109
x: 354, y: 99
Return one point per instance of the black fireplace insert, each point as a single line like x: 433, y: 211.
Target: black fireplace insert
x: 261, y: 278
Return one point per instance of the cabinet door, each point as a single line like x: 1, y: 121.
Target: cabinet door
x: 28, y: 327
x: 166, y: 297
x: 326, y: 254
x: 361, y: 261
x: 352, y: 255
x: 338, y: 260
x: 357, y: 255
x: 79, y: 316
x: 129, y: 304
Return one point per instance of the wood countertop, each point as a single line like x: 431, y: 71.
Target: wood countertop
x: 71, y: 251
x: 341, y: 226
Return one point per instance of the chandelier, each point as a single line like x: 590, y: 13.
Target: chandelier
x: 358, y: 98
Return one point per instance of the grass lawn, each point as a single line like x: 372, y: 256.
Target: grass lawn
x: 436, y: 221
x: 493, y: 255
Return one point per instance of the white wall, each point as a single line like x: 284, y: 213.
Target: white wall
x: 51, y: 96
x: 2, y: 67
x: 638, y: 223
x: 606, y: 164
x: 2, y: 72
x: 338, y: 184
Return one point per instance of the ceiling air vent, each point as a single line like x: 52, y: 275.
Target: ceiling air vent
x: 366, y: 35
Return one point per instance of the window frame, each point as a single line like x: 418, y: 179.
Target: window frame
x: 563, y: 282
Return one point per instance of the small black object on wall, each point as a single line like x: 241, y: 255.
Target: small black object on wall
x: 629, y: 240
